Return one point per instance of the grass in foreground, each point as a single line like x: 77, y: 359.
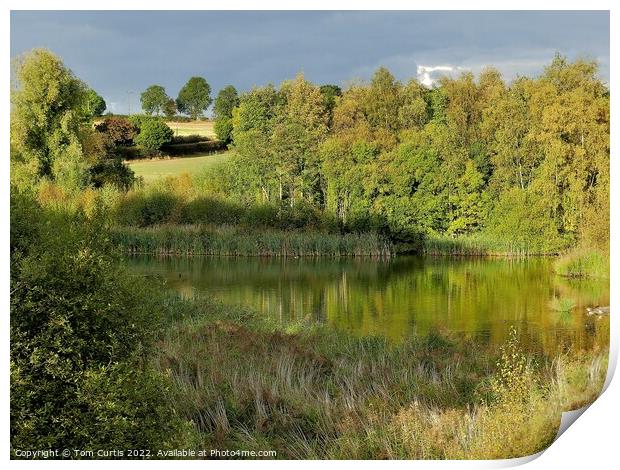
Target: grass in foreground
x: 152, y: 169
x: 308, y: 392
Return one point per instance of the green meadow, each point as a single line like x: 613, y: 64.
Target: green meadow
x: 152, y: 169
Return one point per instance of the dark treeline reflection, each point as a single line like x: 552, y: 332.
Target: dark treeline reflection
x: 478, y: 297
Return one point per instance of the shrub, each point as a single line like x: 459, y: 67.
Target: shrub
x: 522, y: 219
x: 76, y: 315
x: 223, y: 129
x: 120, y: 131
x: 113, y: 172
x: 153, y: 134
x: 148, y: 209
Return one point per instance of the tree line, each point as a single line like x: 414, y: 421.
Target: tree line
x: 526, y: 161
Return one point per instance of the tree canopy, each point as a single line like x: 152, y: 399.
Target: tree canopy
x: 95, y: 104
x: 154, y: 100
x: 227, y: 99
x: 458, y: 158
x: 195, y: 97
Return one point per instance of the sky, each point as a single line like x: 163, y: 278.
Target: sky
x: 121, y: 53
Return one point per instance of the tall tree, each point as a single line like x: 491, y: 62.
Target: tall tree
x: 330, y: 94
x: 227, y: 99
x: 253, y: 122
x: 195, y: 97
x: 154, y: 99
x: 47, y: 109
x: 301, y: 125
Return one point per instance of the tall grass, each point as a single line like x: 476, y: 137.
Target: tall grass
x: 478, y: 245
x: 307, y: 392
x: 236, y: 241
x: 589, y: 263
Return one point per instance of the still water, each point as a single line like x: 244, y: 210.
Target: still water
x: 477, y: 297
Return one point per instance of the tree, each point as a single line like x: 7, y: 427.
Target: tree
x: 330, y: 94
x: 300, y: 126
x: 253, y: 122
x: 154, y: 99
x: 47, y: 110
x: 195, y: 97
x: 170, y: 108
x: 227, y: 99
x: 413, y: 113
x: 383, y: 100
x: 95, y: 104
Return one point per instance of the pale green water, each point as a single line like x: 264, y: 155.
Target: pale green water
x: 473, y: 296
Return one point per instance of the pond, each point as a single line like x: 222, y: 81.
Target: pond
x: 475, y: 297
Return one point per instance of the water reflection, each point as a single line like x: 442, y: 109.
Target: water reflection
x: 394, y: 298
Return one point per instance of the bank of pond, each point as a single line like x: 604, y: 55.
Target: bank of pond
x: 235, y: 240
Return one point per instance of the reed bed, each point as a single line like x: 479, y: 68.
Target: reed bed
x: 479, y: 245
x: 584, y: 263
x: 190, y: 240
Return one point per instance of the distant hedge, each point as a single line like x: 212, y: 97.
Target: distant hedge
x: 194, y: 147
x: 175, y: 150
x: 190, y: 139
x: 177, y: 118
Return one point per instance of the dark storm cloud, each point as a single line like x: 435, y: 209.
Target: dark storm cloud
x: 117, y: 52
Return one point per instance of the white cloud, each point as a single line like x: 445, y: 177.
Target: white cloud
x: 428, y: 74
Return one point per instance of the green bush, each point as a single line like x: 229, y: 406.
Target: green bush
x: 76, y: 317
x: 112, y: 171
x: 154, y: 133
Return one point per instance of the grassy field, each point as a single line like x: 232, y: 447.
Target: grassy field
x: 151, y: 169
x: 192, y: 128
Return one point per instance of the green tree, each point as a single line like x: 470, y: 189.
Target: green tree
x: 227, y: 99
x: 470, y: 201
x: 95, y: 104
x: 154, y: 99
x: 300, y: 126
x: 170, y: 108
x: 253, y: 122
x: 413, y: 113
x: 47, y: 110
x: 383, y: 100
x: 330, y: 94
x: 195, y: 97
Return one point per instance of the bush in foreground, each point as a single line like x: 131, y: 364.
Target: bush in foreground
x: 80, y: 331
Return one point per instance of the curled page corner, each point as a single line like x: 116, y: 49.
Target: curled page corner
x: 568, y: 418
